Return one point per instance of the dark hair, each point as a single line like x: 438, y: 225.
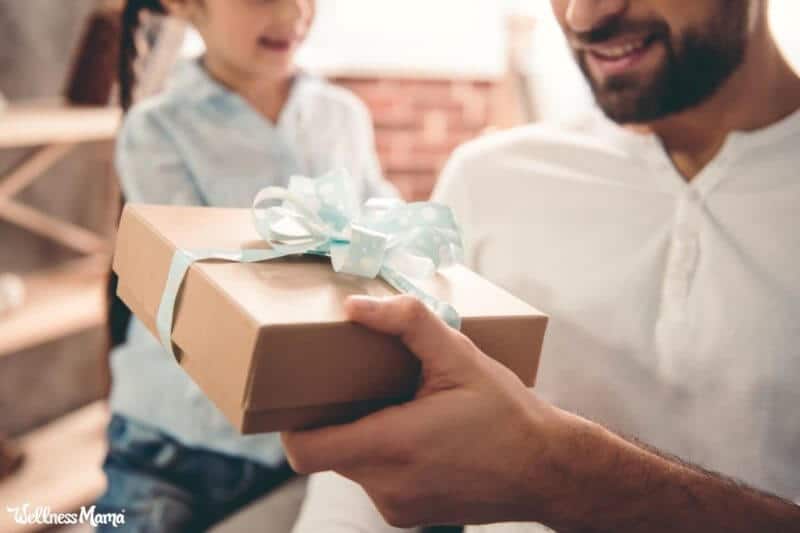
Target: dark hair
x: 128, y: 52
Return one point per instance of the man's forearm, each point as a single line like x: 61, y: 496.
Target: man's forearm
x: 476, y: 446
x: 625, y: 487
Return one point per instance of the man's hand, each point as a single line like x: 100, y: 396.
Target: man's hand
x: 469, y: 439
x: 475, y: 446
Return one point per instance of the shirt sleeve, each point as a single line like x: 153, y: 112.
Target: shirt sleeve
x: 334, y: 504
x: 149, y: 164
x: 453, y: 189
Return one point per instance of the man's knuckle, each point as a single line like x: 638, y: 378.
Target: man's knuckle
x: 397, y: 513
x: 298, y: 459
x: 463, y: 342
x: 412, y: 309
x: 297, y: 464
x: 389, y: 515
x: 398, y: 502
x: 401, y: 521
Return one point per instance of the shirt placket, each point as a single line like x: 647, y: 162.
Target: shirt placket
x: 673, y: 331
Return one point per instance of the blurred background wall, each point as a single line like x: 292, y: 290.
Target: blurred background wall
x: 429, y: 72
x: 37, y: 40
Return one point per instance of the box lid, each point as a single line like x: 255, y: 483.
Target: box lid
x: 274, y: 334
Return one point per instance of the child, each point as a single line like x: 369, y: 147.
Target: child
x: 237, y: 120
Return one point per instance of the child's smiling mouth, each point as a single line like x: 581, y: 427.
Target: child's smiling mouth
x: 276, y: 44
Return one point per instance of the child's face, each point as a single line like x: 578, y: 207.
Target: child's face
x: 255, y: 37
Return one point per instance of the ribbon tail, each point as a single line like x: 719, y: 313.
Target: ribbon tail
x: 182, y: 260
x: 401, y: 283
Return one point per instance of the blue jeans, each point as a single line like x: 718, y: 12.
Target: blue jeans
x: 163, y: 486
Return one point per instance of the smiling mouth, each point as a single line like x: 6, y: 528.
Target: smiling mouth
x: 277, y: 45
x: 619, y: 56
x: 616, y: 52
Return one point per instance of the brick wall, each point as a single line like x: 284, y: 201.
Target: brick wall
x: 418, y: 123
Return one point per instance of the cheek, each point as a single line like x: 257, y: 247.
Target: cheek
x: 309, y: 11
x: 238, y: 33
x: 683, y: 15
x: 231, y: 21
x: 560, y: 10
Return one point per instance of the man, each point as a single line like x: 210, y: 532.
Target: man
x: 662, y: 240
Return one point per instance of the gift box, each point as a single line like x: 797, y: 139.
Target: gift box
x: 268, y: 342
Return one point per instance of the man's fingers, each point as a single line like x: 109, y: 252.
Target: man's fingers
x: 421, y: 330
x: 394, y: 315
x: 328, y: 448
x: 338, y: 447
x: 379, y: 438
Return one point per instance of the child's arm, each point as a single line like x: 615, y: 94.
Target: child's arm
x: 334, y: 504
x: 149, y: 165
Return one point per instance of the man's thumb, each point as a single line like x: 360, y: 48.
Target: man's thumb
x: 439, y: 347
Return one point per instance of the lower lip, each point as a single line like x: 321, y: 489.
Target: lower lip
x: 275, y: 46
x: 612, y: 67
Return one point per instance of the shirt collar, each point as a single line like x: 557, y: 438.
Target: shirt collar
x: 648, y: 149
x: 743, y: 140
x: 785, y: 127
x: 193, y: 80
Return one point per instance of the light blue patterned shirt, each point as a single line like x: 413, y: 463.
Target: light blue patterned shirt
x: 200, y: 144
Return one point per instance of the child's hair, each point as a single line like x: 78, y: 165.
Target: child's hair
x: 128, y: 51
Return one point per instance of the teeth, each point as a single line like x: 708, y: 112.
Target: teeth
x: 617, y: 52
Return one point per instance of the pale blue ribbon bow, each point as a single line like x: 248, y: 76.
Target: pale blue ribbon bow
x: 387, y: 238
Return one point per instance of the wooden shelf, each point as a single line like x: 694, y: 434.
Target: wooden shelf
x: 56, y: 123
x: 62, y: 468
x: 57, y: 304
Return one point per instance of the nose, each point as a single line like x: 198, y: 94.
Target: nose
x: 586, y: 15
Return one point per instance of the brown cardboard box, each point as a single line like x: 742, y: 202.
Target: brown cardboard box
x: 269, y: 343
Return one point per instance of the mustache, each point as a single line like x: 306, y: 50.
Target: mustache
x: 619, y: 27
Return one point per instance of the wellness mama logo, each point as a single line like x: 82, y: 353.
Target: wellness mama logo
x: 41, y: 515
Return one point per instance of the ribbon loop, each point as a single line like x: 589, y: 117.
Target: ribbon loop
x: 321, y: 216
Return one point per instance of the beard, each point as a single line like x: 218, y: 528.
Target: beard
x: 697, y: 64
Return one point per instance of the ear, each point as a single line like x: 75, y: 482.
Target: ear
x: 181, y: 9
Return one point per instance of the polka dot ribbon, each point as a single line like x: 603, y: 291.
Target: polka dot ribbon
x: 384, y: 238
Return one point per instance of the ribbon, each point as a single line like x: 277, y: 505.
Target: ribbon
x: 384, y: 238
